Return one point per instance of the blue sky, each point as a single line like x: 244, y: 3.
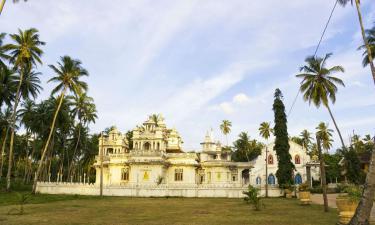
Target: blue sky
x: 199, y: 62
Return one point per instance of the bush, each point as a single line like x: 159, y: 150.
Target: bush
x: 252, y: 197
x: 354, y: 192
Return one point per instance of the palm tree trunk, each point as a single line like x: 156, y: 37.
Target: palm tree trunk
x: 2, y: 6
x: 48, y: 140
x: 322, y: 174
x: 3, y: 151
x: 75, y: 148
x: 12, y: 126
x: 369, y: 53
x: 337, y: 128
x: 26, y: 157
x: 30, y: 170
x: 363, y: 211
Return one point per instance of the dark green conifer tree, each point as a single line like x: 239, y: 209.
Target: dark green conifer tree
x: 285, y: 169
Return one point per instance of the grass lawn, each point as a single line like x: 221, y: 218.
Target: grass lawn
x: 61, y: 209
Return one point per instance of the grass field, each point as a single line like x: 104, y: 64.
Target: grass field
x: 65, y: 209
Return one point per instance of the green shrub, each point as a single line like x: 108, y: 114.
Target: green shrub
x: 354, y: 192
x: 253, y: 198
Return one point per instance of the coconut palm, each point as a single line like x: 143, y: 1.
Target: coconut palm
x: 362, y: 214
x: 370, y: 36
x: 3, y: 55
x: 325, y: 135
x: 24, y: 53
x: 4, y: 121
x: 319, y: 85
x: 369, y: 54
x: 30, y: 87
x: 69, y: 72
x: 2, y: 3
x: 8, y: 86
x: 225, y: 128
x: 306, y: 139
x: 81, y: 106
x: 265, y: 131
x: 27, y: 114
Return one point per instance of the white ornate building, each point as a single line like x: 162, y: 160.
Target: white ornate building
x: 157, y: 158
x: 305, y: 167
x: 156, y: 165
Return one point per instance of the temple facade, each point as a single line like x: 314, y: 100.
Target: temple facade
x: 156, y: 157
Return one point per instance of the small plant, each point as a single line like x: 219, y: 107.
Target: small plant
x: 354, y: 192
x: 252, y: 198
x: 22, y: 200
x: 304, y: 187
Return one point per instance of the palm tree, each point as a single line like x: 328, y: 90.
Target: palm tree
x: 69, y: 73
x: 3, y: 55
x: 27, y: 114
x: 365, y: 40
x: 81, y: 106
x: 8, y: 86
x: 362, y: 214
x: 225, y: 128
x: 323, y: 134
x: 2, y: 3
x: 5, y: 117
x: 370, y: 36
x: 306, y: 139
x: 319, y: 86
x: 265, y: 131
x: 24, y: 54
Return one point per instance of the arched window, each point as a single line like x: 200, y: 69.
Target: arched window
x: 298, y: 179
x: 158, y: 146
x: 259, y: 181
x: 271, y: 179
x: 297, y: 159
x: 125, y: 174
x: 270, y: 159
x: 136, y: 145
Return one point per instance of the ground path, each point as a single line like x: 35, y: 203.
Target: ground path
x: 318, y: 199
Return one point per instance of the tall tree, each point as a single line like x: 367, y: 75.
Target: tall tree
x: 68, y: 75
x: 265, y: 131
x: 319, y: 86
x: 363, y: 211
x: 322, y: 171
x: 325, y: 135
x: 225, y: 128
x: 245, y: 148
x: 285, y: 169
x: 84, y: 110
x: 306, y: 139
x: 324, y: 139
x: 24, y: 53
x: 8, y: 86
x: 3, y: 55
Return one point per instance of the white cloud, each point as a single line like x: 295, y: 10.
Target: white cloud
x: 241, y: 99
x: 226, y: 107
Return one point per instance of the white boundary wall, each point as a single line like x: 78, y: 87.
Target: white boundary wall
x: 223, y: 191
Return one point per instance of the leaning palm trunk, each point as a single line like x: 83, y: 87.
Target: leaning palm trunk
x: 48, y: 140
x: 3, y: 151
x: 363, y: 211
x: 322, y: 173
x: 2, y: 6
x: 12, y: 125
x: 337, y: 128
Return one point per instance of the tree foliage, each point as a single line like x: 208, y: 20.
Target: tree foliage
x: 285, y: 169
